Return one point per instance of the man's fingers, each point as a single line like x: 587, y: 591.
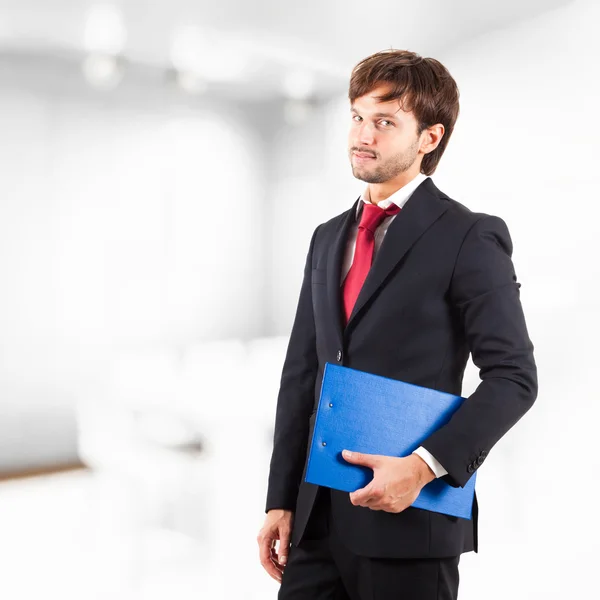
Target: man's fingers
x: 362, y: 495
x: 284, y: 546
x: 367, y: 496
x: 362, y: 458
x: 265, y: 546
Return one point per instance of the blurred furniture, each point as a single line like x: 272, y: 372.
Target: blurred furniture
x: 183, y: 440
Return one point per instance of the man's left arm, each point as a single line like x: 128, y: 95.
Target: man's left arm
x: 485, y: 294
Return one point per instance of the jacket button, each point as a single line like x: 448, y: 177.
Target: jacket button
x: 339, y: 356
x: 470, y: 469
x: 480, y: 460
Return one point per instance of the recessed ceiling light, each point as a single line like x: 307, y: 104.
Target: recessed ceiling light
x: 299, y: 84
x: 104, y: 31
x: 102, y: 71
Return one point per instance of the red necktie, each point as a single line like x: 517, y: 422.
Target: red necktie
x: 372, y: 216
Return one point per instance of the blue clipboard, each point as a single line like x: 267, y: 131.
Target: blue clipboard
x: 369, y: 413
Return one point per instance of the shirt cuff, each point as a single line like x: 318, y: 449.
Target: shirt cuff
x: 434, y: 465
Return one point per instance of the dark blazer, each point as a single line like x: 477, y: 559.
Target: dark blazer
x: 442, y: 285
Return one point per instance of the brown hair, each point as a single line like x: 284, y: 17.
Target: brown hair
x: 423, y: 86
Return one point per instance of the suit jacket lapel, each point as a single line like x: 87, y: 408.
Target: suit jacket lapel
x: 334, y: 267
x: 422, y: 209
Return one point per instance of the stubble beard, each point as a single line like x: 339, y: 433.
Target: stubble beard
x: 389, y: 169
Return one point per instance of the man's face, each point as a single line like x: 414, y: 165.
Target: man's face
x: 383, y: 141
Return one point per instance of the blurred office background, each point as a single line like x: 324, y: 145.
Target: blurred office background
x: 162, y: 167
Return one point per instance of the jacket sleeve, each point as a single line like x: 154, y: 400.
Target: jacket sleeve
x: 484, y: 294
x: 295, y: 401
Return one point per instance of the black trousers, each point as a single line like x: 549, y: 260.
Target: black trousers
x: 322, y: 568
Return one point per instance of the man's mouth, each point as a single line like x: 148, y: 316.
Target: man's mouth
x: 363, y: 157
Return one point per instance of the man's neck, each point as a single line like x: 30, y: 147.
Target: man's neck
x: 382, y: 191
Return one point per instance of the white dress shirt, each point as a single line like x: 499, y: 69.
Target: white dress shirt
x: 398, y: 198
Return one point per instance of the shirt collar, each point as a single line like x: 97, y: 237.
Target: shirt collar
x: 399, y: 197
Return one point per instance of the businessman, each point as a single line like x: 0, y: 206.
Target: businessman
x: 404, y: 284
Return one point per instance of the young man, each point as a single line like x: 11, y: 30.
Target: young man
x: 404, y: 284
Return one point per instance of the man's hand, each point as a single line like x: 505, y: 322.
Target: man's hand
x: 396, y: 481
x: 278, y: 526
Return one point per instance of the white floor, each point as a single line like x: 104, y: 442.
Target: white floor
x: 82, y: 535
x: 66, y: 536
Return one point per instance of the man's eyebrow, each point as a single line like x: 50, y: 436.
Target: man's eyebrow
x: 379, y: 114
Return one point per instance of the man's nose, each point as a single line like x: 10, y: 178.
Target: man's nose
x: 365, y: 135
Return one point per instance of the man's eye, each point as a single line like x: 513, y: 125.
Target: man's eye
x: 356, y: 117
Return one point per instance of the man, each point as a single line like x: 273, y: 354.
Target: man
x: 404, y: 284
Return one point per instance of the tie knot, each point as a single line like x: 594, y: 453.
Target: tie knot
x: 373, y: 215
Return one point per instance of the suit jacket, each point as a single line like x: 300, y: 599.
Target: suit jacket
x: 441, y: 285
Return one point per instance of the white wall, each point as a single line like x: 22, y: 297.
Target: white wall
x: 311, y: 183
x: 126, y: 220
x: 524, y: 148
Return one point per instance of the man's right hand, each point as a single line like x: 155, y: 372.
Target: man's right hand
x: 278, y: 526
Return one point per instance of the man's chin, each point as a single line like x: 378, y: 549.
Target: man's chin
x: 360, y: 172
x: 365, y: 176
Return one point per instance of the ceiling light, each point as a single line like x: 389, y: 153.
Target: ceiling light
x: 102, y: 71
x: 105, y: 31
x: 299, y: 84
x: 211, y: 56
